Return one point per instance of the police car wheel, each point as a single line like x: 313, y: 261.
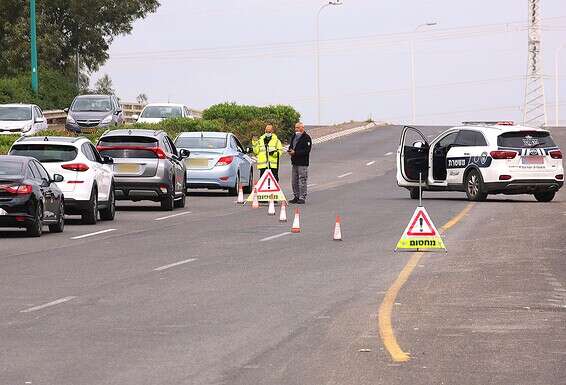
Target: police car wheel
x: 546, y: 196
x: 414, y: 192
x: 475, y: 189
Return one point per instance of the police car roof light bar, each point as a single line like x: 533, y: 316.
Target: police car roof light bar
x: 489, y: 123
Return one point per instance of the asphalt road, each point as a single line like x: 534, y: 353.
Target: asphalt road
x: 196, y: 297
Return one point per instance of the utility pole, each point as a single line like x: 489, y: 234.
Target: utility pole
x: 534, y: 111
x: 33, y: 39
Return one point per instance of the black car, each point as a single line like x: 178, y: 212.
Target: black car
x: 29, y: 197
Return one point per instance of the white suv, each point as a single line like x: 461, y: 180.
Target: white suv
x: 88, y: 184
x: 482, y: 158
x: 21, y: 119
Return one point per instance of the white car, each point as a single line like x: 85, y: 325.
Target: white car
x: 21, y: 119
x: 157, y: 112
x: 481, y: 158
x: 88, y: 184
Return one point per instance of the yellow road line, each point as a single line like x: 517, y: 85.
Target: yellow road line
x: 386, y: 307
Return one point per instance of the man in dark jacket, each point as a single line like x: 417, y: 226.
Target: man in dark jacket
x: 299, y: 149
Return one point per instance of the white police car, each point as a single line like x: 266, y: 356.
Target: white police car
x: 481, y: 158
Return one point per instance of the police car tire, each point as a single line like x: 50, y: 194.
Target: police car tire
x: 414, y: 192
x: 545, y: 196
x: 477, y: 194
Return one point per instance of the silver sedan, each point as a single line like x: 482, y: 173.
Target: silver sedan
x: 217, y: 161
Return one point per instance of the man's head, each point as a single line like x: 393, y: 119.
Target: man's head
x: 299, y: 127
x: 269, y: 129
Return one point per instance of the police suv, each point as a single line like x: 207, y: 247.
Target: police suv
x: 481, y: 158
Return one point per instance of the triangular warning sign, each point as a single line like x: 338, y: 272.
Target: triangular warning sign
x: 420, y: 234
x: 268, y: 188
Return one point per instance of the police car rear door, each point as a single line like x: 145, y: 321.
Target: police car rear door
x: 413, y: 158
x: 469, y: 150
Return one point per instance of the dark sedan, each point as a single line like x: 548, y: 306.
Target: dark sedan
x: 29, y: 197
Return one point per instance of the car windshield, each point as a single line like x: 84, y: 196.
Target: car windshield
x: 15, y: 113
x: 10, y: 168
x: 525, y: 139
x: 91, y: 104
x: 200, y: 142
x: 162, y: 112
x: 46, y: 152
x: 127, y: 140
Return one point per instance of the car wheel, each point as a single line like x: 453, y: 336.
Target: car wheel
x: 180, y: 203
x: 545, y: 196
x: 248, y: 189
x: 60, y: 225
x: 108, y: 213
x: 475, y: 189
x: 233, y: 191
x: 414, y: 192
x: 36, y: 228
x: 90, y: 216
x: 168, y: 201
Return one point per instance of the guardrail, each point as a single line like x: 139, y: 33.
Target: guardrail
x: 55, y: 116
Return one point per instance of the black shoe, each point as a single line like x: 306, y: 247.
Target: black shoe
x: 300, y: 201
x: 294, y: 200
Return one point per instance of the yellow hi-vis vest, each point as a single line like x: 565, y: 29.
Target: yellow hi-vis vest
x: 274, y: 151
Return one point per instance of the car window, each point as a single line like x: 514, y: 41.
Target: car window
x: 167, y: 146
x: 88, y: 152
x: 97, y: 156
x: 525, y: 139
x: 11, y: 168
x: 470, y: 138
x: 42, y: 172
x: 92, y: 103
x: 448, y: 140
x: 36, y: 172
x: 128, y: 140
x: 31, y: 173
x: 172, y: 145
x: 240, y: 147
x: 45, y: 152
x: 162, y: 112
x: 201, y: 142
x: 187, y: 112
x: 15, y: 113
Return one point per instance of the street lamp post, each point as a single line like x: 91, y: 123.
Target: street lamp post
x: 33, y: 41
x: 556, y: 82
x: 413, y: 86
x: 330, y: 3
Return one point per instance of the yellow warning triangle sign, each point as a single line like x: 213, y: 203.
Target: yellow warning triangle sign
x: 268, y: 188
x: 420, y: 233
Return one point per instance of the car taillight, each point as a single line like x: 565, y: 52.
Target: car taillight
x: 503, y: 154
x: 555, y: 154
x: 225, y: 160
x: 75, y: 167
x: 504, y: 177
x: 19, y: 189
x: 159, y: 152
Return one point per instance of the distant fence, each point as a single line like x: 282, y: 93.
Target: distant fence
x: 56, y: 117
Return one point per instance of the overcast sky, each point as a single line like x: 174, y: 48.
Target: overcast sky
x: 471, y: 66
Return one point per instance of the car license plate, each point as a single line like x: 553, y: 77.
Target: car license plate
x: 127, y: 168
x: 532, y: 159
x: 197, y: 162
x: 3, y: 212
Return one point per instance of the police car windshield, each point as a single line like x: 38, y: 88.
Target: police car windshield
x: 525, y: 139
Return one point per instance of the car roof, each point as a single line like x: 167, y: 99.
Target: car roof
x: 22, y: 159
x: 164, y: 105
x: 92, y: 96
x: 17, y: 105
x: 51, y: 139
x: 496, y: 128
x: 206, y: 134
x: 133, y: 131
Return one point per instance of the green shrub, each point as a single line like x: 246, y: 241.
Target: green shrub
x: 6, y: 142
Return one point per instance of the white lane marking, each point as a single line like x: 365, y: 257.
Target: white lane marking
x: 370, y: 163
x: 172, y: 216
x: 161, y: 268
x: 56, y: 302
x: 314, y: 184
x: 93, y: 234
x: 275, y: 236
x: 388, y: 153
x: 345, y: 175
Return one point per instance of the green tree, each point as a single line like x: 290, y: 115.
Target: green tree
x: 141, y: 98
x: 104, y: 86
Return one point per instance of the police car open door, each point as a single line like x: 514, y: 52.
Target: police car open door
x: 414, y: 155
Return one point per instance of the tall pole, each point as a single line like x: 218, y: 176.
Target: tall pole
x: 557, y: 83
x: 317, y: 54
x: 33, y: 39
x: 413, y: 82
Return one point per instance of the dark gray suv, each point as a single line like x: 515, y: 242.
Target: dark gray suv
x: 89, y: 112
x: 147, y: 166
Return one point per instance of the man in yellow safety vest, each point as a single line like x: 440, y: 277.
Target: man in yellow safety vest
x: 268, y: 149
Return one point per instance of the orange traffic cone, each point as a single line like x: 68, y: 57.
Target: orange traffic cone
x: 296, y: 222
x: 271, y: 208
x: 337, y: 229
x: 255, y: 202
x: 283, y: 213
x: 240, y: 195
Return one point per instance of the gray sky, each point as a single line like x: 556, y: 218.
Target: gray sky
x: 471, y: 66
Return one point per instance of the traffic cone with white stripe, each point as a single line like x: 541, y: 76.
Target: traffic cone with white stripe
x: 271, y: 208
x: 337, y: 229
x: 240, y: 195
x: 255, y: 202
x: 296, y: 222
x: 283, y: 213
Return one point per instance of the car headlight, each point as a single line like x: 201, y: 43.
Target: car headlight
x: 70, y: 119
x: 107, y: 119
x: 26, y: 128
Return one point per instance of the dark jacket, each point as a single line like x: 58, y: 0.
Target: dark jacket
x: 302, y: 150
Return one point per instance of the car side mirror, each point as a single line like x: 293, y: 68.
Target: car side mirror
x: 184, y: 153
x: 107, y: 159
x: 39, y: 120
x: 66, y: 110
x: 135, y: 116
x: 248, y: 150
x: 57, y: 178
x: 118, y: 112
